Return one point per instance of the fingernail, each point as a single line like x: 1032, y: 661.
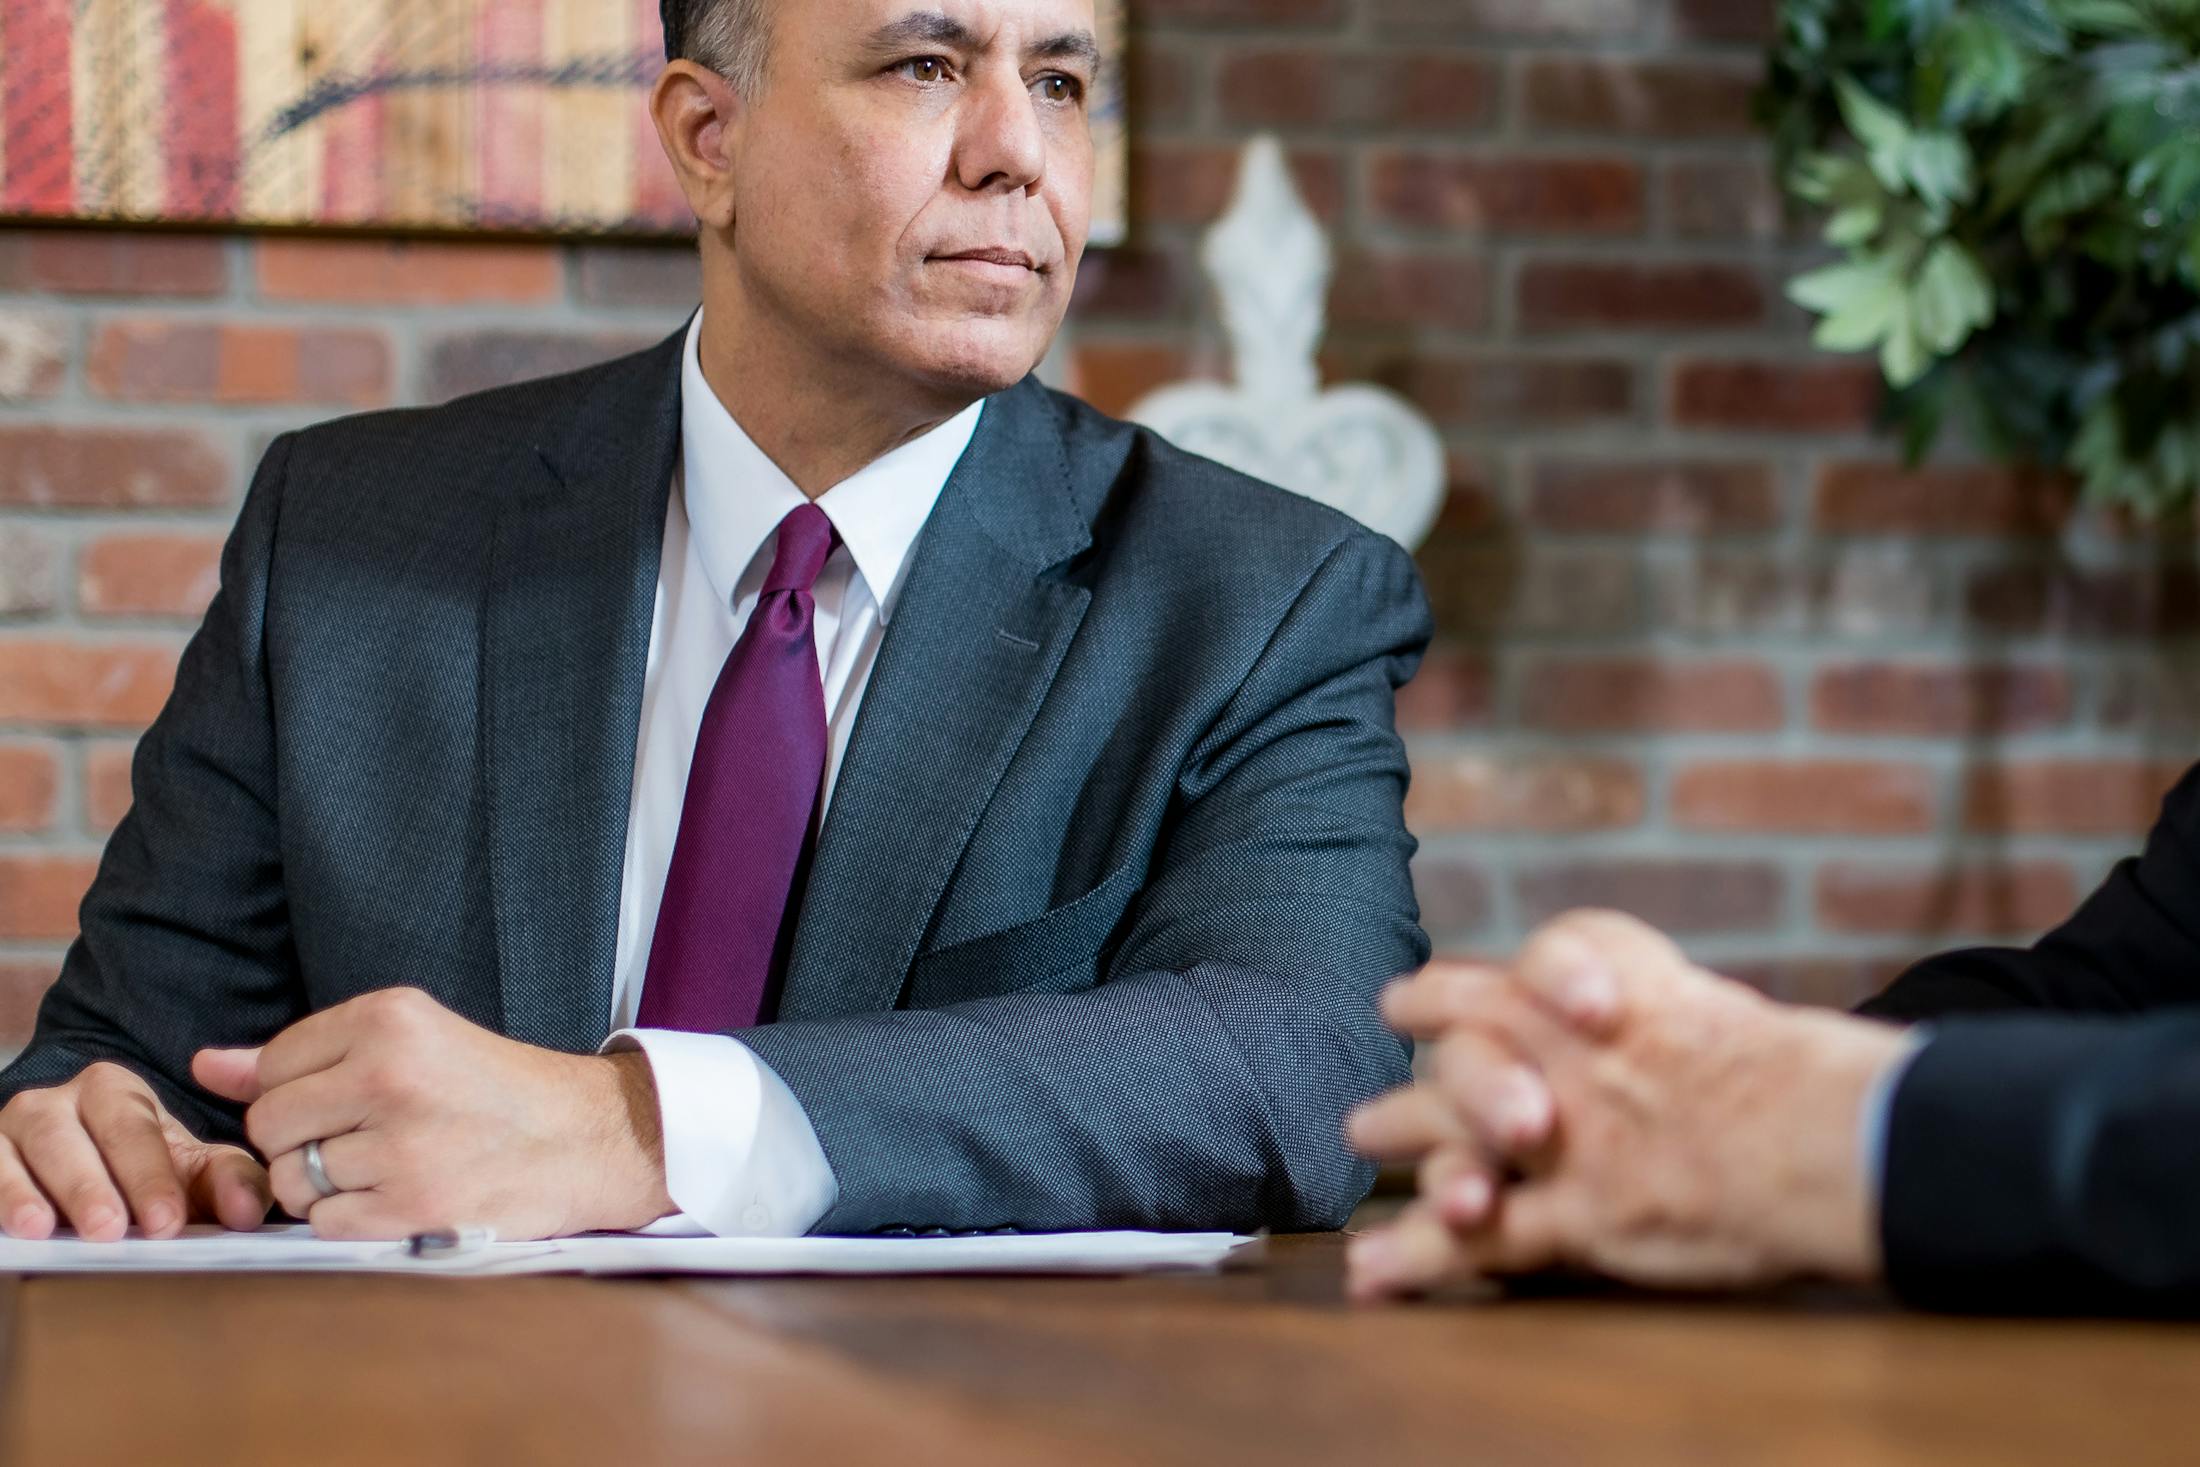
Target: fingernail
x: 99, y: 1220
x: 1467, y: 1199
x: 26, y: 1220
x: 1526, y: 1109
x: 1590, y: 994
x: 159, y: 1217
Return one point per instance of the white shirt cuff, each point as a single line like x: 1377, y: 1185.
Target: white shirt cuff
x: 1879, y: 1115
x: 741, y: 1158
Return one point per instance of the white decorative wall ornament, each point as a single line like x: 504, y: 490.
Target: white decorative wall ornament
x: 1358, y: 448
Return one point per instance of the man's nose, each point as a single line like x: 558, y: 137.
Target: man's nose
x: 1001, y: 144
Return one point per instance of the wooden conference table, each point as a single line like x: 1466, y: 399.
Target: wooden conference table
x: 1265, y: 1366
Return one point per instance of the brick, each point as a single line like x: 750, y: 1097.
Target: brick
x: 28, y: 581
x: 1240, y: 12
x: 1306, y: 87
x: 1163, y: 84
x: 1805, y: 396
x: 1508, y: 391
x: 1454, y: 20
x: 1837, y: 982
x: 1498, y: 194
x: 1637, y: 99
x: 1454, y: 893
x: 1466, y: 791
x: 1114, y: 375
x: 39, y: 895
x: 1193, y: 183
x: 110, y: 468
x: 474, y: 361
x: 1643, y: 695
x: 149, y: 575
x: 638, y: 275
x: 1731, y: 199
x: 1480, y: 592
x: 23, y: 983
x: 1806, y: 797
x: 116, y: 262
x: 1938, y: 700
x: 1453, y: 690
x: 1474, y: 500
x: 2016, y: 899
x: 1648, y: 496
x: 2158, y: 695
x: 31, y: 356
x: 1408, y: 290
x: 2068, y: 796
x: 1142, y: 284
x: 30, y: 775
x: 45, y: 680
x: 235, y: 364
x: 1750, y: 21
x: 292, y: 269
x: 1593, y: 295
x: 107, y: 784
x: 2059, y: 598
x: 1859, y: 497
x: 1858, y: 592
x: 1683, y: 896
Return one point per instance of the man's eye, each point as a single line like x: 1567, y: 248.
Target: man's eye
x: 925, y: 68
x: 1059, y: 88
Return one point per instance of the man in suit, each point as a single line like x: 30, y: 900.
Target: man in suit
x: 512, y: 851
x: 1603, y: 1104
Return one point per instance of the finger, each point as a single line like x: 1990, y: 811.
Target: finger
x: 23, y: 1208
x: 321, y: 1041
x: 66, y: 1164
x: 1458, y: 1184
x: 1501, y: 1101
x: 126, y: 1125
x: 314, y: 1106
x: 233, y: 1074
x: 1440, y: 995
x: 348, y: 1160
x: 1415, y: 1253
x: 228, y: 1185
x: 363, y: 1217
x: 1405, y: 1125
x: 1582, y: 965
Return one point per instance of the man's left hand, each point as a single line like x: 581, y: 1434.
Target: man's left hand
x: 428, y: 1121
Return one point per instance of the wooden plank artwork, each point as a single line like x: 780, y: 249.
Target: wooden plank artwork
x: 496, y: 115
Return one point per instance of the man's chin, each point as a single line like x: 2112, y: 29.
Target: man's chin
x: 973, y: 364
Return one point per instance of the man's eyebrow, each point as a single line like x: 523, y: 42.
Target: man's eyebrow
x: 932, y: 28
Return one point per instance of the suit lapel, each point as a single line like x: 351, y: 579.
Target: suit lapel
x: 973, y: 647
x: 571, y: 589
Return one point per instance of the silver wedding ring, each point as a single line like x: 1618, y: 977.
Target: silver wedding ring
x: 316, y: 1173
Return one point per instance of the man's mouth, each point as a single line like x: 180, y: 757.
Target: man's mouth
x: 1000, y: 255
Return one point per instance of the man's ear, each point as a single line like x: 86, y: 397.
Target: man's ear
x: 698, y: 115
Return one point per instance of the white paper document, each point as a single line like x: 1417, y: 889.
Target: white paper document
x: 294, y: 1249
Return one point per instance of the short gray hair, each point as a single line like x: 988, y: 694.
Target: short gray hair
x: 731, y: 37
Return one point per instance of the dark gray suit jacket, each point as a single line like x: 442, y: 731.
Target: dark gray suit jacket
x: 1113, y: 868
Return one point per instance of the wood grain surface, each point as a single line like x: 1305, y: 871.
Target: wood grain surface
x: 1267, y: 1365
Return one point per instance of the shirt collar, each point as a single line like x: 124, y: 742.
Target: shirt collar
x: 736, y: 496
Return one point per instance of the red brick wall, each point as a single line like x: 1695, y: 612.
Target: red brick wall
x: 1702, y: 653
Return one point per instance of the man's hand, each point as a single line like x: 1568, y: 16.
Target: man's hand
x: 1603, y: 1104
x: 101, y: 1151
x: 428, y: 1121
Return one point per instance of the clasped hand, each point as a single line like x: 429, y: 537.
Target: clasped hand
x: 1601, y: 1104
x: 425, y: 1120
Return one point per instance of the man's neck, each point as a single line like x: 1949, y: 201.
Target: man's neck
x: 818, y: 420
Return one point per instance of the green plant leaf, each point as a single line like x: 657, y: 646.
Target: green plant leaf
x: 1950, y: 298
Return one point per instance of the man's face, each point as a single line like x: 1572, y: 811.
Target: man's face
x: 913, y: 186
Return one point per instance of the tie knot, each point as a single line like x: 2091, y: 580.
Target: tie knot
x: 806, y: 539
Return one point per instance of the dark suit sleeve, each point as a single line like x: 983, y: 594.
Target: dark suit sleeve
x: 2133, y: 946
x: 1204, y: 1083
x: 2046, y: 1165
x: 184, y: 936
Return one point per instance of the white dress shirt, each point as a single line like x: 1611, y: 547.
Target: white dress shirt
x: 740, y: 1156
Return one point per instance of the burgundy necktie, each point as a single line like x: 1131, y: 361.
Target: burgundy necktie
x: 747, y: 820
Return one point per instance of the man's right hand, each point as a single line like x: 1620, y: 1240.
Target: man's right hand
x: 101, y: 1151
